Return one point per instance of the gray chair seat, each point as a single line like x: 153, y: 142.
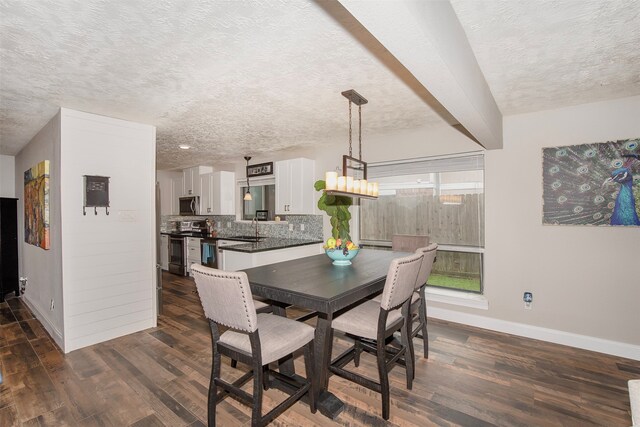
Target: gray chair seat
x: 279, y: 337
x: 259, y: 304
x: 362, y: 320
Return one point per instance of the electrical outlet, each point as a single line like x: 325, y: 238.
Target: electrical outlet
x: 52, y: 305
x: 290, y: 227
x: 528, y: 300
x: 301, y: 227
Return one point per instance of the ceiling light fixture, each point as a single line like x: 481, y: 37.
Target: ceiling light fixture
x: 247, y: 195
x: 347, y: 185
x: 184, y: 146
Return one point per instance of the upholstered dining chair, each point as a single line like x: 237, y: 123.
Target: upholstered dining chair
x: 418, y: 312
x: 408, y: 242
x: 378, y: 321
x: 418, y: 300
x: 252, y: 338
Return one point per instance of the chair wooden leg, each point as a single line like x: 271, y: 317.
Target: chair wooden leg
x: 425, y: 333
x: 215, y: 373
x: 384, y: 378
x: 357, y: 349
x: 265, y: 377
x: 256, y: 414
x: 310, y: 369
x: 409, y: 356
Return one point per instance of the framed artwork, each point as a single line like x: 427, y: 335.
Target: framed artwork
x: 354, y: 167
x: 260, y: 169
x: 592, y: 184
x: 36, y: 205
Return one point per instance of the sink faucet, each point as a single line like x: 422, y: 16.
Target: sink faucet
x: 255, y: 221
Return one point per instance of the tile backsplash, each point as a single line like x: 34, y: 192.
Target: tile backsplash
x: 290, y: 227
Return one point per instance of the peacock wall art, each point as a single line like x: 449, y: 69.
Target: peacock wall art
x: 592, y: 184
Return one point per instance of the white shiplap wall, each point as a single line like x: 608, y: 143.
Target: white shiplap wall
x: 108, y: 260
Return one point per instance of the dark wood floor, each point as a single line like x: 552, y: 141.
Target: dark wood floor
x: 160, y: 377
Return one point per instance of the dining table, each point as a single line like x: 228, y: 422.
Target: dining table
x: 314, y: 283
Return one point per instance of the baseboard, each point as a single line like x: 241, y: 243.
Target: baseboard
x: 51, y: 329
x: 585, y: 342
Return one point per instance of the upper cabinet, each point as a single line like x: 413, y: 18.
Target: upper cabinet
x: 192, y: 179
x: 171, y: 187
x: 295, y: 194
x: 217, y: 193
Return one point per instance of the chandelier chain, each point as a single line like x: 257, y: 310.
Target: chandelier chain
x: 350, y: 128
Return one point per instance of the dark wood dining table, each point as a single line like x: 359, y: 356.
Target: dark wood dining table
x: 314, y: 283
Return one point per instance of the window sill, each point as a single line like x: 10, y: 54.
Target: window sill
x: 464, y: 299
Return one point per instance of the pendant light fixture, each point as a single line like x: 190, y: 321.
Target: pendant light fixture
x: 347, y: 185
x: 247, y: 195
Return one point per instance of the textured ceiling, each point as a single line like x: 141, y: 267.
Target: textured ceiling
x: 227, y: 78
x: 245, y: 77
x: 542, y: 54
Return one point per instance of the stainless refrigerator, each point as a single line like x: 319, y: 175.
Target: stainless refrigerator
x: 158, y: 254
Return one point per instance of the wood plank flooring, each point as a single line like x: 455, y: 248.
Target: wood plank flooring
x: 159, y: 377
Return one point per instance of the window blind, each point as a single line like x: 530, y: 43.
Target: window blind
x: 426, y: 165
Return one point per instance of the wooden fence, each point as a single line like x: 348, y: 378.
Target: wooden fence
x: 412, y: 212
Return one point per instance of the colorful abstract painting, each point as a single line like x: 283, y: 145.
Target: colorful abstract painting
x: 592, y: 184
x: 36, y: 205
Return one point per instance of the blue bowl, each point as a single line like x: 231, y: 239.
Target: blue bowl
x: 339, y: 258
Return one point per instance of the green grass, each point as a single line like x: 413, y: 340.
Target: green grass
x: 460, y: 283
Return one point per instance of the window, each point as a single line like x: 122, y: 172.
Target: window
x: 263, y: 199
x: 442, y: 198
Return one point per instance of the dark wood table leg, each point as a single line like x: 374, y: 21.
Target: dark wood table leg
x: 285, y: 366
x: 328, y: 404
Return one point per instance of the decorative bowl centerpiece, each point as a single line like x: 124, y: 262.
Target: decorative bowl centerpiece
x: 341, y: 252
x: 339, y: 247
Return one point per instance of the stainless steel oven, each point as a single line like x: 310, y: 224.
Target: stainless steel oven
x: 178, y: 255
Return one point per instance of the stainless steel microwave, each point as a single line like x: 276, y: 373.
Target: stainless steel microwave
x: 189, y: 205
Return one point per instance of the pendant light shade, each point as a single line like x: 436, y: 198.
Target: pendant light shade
x: 247, y: 195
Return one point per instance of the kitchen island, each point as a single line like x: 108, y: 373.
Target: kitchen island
x: 268, y: 250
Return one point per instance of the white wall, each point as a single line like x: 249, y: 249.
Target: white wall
x: 7, y: 176
x: 43, y: 268
x: 109, y: 260
x: 584, y: 280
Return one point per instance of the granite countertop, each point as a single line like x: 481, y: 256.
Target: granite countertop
x: 268, y: 244
x: 265, y: 244
x: 183, y: 234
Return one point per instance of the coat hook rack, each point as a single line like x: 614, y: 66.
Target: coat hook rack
x: 96, y: 193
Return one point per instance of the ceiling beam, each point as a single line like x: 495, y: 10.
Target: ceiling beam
x: 424, y: 44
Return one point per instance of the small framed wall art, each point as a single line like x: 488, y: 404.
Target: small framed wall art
x: 260, y: 169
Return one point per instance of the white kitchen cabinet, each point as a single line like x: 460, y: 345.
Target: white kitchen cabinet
x: 223, y: 193
x: 191, y: 179
x: 234, y: 261
x: 222, y: 253
x: 193, y: 252
x: 177, y: 190
x: 170, y: 183
x: 295, y: 194
x: 206, y: 196
x: 164, y: 252
x: 217, y: 193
